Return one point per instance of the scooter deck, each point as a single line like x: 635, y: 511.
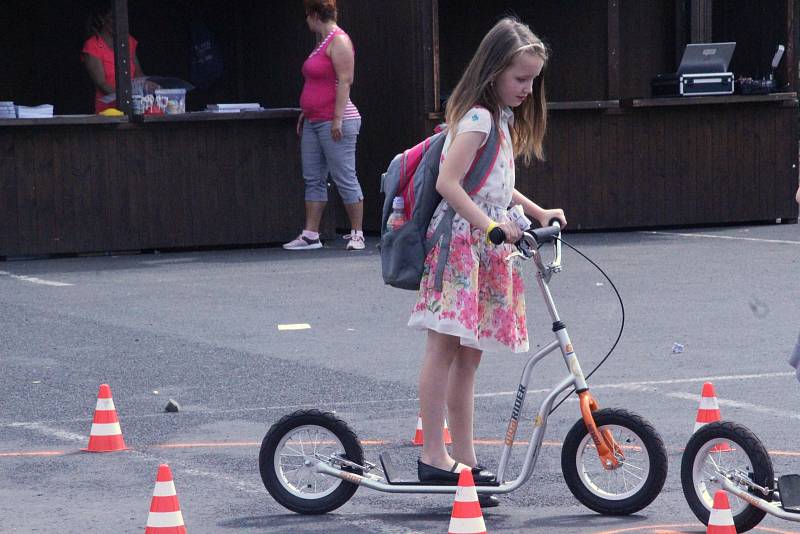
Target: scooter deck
x: 789, y: 488
x: 393, y: 478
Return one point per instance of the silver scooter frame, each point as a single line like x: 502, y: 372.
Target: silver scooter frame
x: 528, y: 249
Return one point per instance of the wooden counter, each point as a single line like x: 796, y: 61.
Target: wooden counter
x: 94, y: 184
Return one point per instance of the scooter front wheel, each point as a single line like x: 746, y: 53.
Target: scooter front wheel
x: 631, y: 486
x: 290, y: 451
x: 725, y: 449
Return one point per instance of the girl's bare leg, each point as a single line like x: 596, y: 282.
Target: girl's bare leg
x: 440, y: 351
x: 461, y: 403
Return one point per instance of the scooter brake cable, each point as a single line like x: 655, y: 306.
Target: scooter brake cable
x: 621, y: 326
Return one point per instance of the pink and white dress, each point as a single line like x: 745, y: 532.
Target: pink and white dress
x: 482, y: 301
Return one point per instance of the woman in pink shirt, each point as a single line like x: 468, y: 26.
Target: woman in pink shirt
x: 328, y: 126
x: 98, y: 56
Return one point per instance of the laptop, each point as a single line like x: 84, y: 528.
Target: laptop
x: 699, y: 58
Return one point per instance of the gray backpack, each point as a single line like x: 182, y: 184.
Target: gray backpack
x: 412, y: 175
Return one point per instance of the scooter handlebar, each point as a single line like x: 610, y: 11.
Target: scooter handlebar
x: 541, y: 235
x: 497, y: 236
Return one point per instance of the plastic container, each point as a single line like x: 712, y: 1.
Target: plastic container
x: 398, y: 217
x: 171, y: 101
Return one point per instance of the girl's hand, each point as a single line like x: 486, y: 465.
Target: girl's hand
x: 511, y: 230
x: 548, y: 215
x: 336, y: 130
x: 299, y: 128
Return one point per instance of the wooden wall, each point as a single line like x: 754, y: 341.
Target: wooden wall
x: 575, y: 30
x: 664, y: 166
x: 647, y: 44
x: 389, y: 88
x: 88, y: 188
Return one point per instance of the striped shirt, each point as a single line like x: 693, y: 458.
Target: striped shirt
x: 318, y: 99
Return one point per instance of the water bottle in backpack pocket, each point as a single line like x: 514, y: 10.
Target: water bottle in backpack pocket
x: 411, y: 178
x: 398, y: 217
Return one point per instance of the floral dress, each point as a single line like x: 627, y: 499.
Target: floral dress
x: 482, y: 300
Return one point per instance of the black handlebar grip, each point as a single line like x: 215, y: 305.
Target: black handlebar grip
x: 497, y: 236
x: 555, y: 220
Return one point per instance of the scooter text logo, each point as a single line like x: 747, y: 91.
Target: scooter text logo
x: 512, y: 425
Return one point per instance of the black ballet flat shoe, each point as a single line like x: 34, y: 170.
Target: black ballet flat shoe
x: 488, y: 501
x: 481, y: 474
x: 428, y: 473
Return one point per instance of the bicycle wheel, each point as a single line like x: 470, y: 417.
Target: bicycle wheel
x: 718, y: 449
x: 291, y: 449
x: 631, y: 486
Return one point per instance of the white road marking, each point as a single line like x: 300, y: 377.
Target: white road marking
x: 50, y: 431
x: 736, y: 404
x: 630, y: 386
x: 34, y: 280
x: 169, y: 262
x: 707, y: 236
x: 299, y: 326
x: 639, y: 385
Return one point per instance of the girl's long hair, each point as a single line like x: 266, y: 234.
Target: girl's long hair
x: 505, y: 41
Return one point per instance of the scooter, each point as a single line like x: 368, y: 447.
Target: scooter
x: 613, y: 461
x: 726, y: 455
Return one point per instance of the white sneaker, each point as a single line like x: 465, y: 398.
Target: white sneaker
x: 355, y: 241
x: 302, y: 242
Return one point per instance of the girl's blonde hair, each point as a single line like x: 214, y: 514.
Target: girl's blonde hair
x: 508, y: 39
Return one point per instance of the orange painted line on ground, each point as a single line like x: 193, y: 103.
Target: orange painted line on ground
x: 365, y: 442
x: 659, y: 529
x: 223, y: 444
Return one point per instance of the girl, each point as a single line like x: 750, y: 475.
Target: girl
x: 481, y: 305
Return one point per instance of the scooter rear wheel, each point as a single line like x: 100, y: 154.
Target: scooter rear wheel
x: 291, y: 449
x: 631, y: 486
x: 724, y: 446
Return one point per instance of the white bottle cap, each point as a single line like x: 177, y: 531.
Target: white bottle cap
x: 398, y: 203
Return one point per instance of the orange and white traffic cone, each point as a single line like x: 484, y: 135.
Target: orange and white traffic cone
x: 708, y: 412
x: 419, y: 438
x: 447, y: 439
x: 165, y: 513
x: 105, y: 435
x: 467, y: 517
x: 721, y: 519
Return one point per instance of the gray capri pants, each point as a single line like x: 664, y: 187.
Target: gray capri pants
x: 321, y: 154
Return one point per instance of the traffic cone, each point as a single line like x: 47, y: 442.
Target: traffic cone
x: 708, y: 412
x: 105, y: 435
x: 466, y: 517
x: 419, y: 438
x: 721, y: 519
x: 165, y: 513
x: 447, y: 439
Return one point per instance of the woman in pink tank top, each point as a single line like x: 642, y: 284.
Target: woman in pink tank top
x: 328, y: 126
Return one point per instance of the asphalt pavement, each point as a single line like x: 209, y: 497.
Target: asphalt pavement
x: 207, y: 329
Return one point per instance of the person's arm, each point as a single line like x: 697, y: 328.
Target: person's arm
x: 343, y: 59
x: 459, y: 158
x: 300, y: 120
x: 544, y: 216
x: 97, y: 73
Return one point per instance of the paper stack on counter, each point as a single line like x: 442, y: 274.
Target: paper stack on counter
x: 35, y: 112
x: 233, y: 108
x: 7, y: 110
